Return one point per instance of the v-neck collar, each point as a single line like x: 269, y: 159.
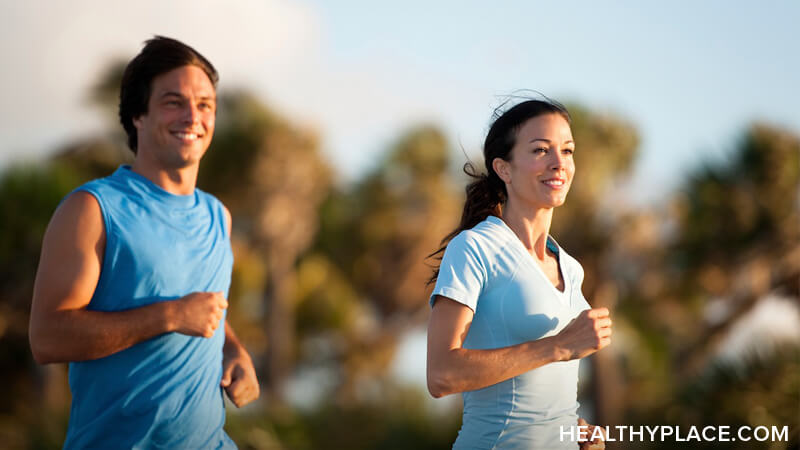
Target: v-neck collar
x: 562, y: 295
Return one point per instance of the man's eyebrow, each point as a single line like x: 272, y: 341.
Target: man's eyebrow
x: 179, y: 95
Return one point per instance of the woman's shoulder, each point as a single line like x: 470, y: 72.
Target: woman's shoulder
x: 486, y: 237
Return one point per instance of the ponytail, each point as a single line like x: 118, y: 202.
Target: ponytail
x: 485, y: 197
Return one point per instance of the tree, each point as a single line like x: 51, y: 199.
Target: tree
x: 272, y: 176
x: 730, y: 237
x: 587, y: 225
x: 379, y: 234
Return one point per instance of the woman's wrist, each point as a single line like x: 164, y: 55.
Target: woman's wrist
x: 559, y: 352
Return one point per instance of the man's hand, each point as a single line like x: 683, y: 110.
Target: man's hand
x: 197, y: 314
x: 591, y: 444
x: 238, y: 374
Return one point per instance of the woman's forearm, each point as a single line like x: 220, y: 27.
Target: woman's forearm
x: 461, y: 369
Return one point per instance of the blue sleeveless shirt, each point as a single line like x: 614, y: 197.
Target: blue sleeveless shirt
x: 163, y: 392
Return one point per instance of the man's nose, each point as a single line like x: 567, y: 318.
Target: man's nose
x: 191, y: 113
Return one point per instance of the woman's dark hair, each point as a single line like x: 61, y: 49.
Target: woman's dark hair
x: 159, y: 55
x: 487, y: 192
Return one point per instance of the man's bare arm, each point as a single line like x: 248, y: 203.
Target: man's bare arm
x: 62, y: 329
x: 238, y: 373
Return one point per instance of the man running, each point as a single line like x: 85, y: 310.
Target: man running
x: 134, y: 274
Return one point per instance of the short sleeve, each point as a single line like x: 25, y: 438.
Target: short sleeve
x: 462, y: 273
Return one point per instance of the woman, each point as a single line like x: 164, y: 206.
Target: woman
x: 509, y: 321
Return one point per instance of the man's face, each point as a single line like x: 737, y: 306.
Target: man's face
x: 177, y: 128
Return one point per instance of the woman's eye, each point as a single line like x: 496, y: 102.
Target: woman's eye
x: 540, y: 150
x: 569, y: 151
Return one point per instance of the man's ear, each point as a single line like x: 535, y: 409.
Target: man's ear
x: 502, y: 168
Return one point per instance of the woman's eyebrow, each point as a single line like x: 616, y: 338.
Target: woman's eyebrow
x: 548, y: 141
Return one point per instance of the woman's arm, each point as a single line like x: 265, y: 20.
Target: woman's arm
x: 452, y: 368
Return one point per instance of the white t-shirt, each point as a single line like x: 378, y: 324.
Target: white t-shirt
x: 489, y: 270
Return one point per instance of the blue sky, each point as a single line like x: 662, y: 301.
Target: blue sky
x: 689, y: 75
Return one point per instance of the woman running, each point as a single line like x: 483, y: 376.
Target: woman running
x: 509, y: 322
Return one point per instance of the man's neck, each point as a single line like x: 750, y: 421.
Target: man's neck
x: 178, y: 181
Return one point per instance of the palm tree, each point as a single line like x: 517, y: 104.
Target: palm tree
x: 272, y: 176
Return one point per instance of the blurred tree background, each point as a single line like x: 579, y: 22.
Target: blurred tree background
x: 329, y: 280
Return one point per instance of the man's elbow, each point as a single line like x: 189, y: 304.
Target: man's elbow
x: 435, y: 391
x: 438, y: 384
x: 40, y: 355
x: 39, y: 348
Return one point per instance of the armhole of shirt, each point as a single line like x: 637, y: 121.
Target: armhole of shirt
x: 218, y: 209
x: 107, y: 229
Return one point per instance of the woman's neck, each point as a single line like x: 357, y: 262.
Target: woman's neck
x: 531, y: 226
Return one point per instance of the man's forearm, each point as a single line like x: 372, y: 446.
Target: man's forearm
x: 238, y: 373
x: 81, y: 335
x: 232, y: 345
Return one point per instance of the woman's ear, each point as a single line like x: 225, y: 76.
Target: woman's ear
x: 502, y: 169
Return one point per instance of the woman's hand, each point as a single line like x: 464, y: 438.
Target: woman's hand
x: 598, y: 443
x: 586, y: 334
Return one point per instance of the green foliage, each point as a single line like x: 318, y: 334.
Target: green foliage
x: 326, y: 298
x: 242, y: 124
x: 382, y: 229
x: 767, y: 386
x: 28, y: 197
x: 752, y: 199
x: 606, y: 148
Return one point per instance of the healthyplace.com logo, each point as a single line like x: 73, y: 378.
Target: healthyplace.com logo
x: 663, y: 433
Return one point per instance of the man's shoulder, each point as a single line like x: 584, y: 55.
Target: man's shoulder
x: 98, y: 186
x: 211, y: 200
x: 207, y: 196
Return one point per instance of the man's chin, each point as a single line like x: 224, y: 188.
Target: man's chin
x: 189, y: 157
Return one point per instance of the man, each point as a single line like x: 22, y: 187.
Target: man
x: 134, y: 273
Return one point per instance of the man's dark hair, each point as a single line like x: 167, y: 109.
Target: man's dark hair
x: 159, y: 55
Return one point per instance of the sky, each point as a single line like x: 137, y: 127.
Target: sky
x: 690, y: 76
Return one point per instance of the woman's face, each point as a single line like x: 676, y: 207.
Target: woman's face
x: 541, y: 168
